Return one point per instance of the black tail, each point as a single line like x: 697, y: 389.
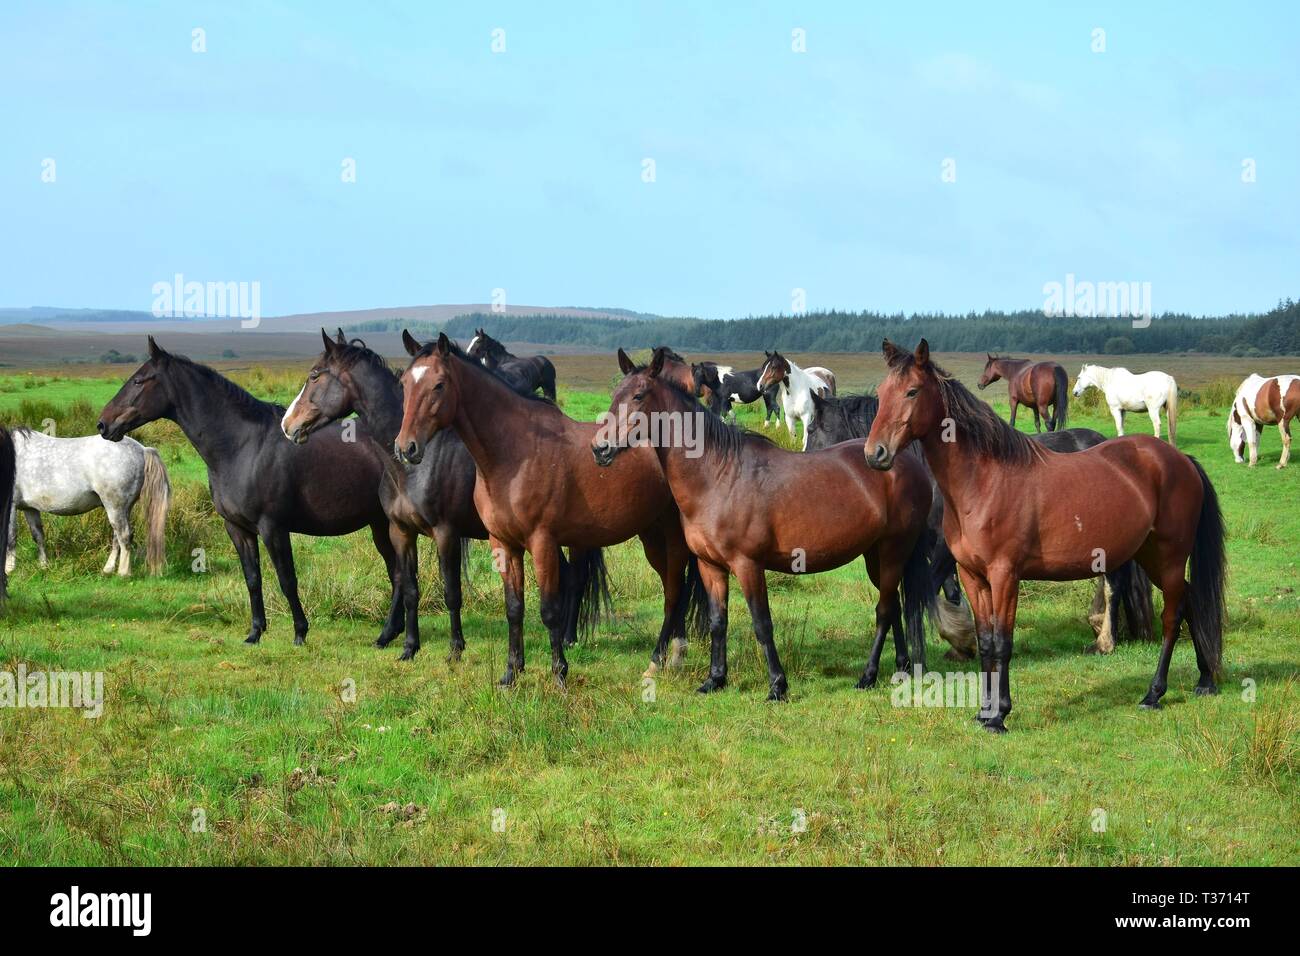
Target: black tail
x: 693, y: 602
x: 546, y: 378
x: 942, y: 564
x: 8, y: 472
x: 593, y: 604
x: 918, y: 591
x: 1203, y: 605
x: 1137, y: 614
x: 1061, y: 409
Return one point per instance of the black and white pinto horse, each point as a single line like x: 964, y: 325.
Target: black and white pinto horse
x: 1126, y: 590
x: 729, y: 388
x: 523, y: 375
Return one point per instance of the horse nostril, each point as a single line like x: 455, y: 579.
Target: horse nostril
x: 101, y: 427
x: 411, y: 449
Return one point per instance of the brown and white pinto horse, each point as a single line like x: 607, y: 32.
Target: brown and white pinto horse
x: 1015, y: 511
x: 538, y: 490
x: 1039, y: 385
x: 733, y: 488
x: 1263, y: 401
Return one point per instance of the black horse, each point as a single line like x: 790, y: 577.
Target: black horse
x: 730, y: 387
x: 434, y: 498
x: 261, y: 484
x: 8, y: 471
x: 850, y: 416
x: 524, y: 375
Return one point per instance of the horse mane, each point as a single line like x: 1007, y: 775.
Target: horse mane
x: 727, y: 439
x: 237, y: 397
x: 454, y: 349
x: 858, y: 412
x: 355, y: 352
x: 982, y: 428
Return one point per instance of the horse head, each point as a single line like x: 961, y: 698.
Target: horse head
x: 143, y: 397
x: 430, y: 394
x: 643, y: 391
x: 910, y: 404
x: 328, y: 393
x: 776, y: 369
x: 990, y: 374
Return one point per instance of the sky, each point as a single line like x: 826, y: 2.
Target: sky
x: 910, y: 157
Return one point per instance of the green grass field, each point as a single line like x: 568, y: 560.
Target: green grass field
x: 210, y: 751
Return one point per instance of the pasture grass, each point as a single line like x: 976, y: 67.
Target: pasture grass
x: 337, y: 753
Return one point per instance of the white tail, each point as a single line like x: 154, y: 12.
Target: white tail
x: 1171, y: 409
x: 157, y: 494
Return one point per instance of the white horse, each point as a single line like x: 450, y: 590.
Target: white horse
x: 70, y: 476
x: 1263, y: 401
x: 1126, y: 392
x: 797, y: 386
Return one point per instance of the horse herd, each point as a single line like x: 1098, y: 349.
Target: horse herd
x: 922, y: 481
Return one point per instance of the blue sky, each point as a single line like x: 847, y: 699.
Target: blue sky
x: 774, y: 170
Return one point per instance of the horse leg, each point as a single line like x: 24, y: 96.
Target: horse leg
x: 715, y: 583
x: 37, y: 528
x: 11, y: 540
x: 246, y: 547
x: 1118, y: 415
x: 279, y: 547
x: 888, y: 613
x: 1005, y: 588
x: 510, y: 562
x: 1154, y: 412
x: 546, y: 565
x: 449, y: 558
x: 1014, y: 406
x: 803, y: 420
x: 385, y: 544
x: 980, y: 597
x: 1284, y: 428
x: 403, y: 544
x: 119, y: 519
x: 1172, y: 585
x: 656, y: 554
x: 574, y: 576
x: 753, y: 582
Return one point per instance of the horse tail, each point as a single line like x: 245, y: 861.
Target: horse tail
x: 1061, y: 408
x: 918, y: 592
x: 8, y: 474
x: 1204, y: 597
x: 546, y: 378
x: 696, y: 597
x: 1171, y: 409
x: 1134, y: 589
x: 594, y: 603
x: 157, y: 494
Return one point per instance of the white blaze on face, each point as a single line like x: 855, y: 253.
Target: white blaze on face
x: 418, y: 371
x: 289, y: 413
x: 472, y: 342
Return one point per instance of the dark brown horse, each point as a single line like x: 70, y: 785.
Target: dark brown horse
x: 261, y: 484
x: 522, y: 374
x: 434, y: 498
x: 538, y: 490
x: 1015, y: 511
x: 1039, y: 385
x: 8, y: 469
x: 734, y: 490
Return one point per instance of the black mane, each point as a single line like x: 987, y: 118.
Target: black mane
x: 237, y: 397
x: 355, y: 352
x: 728, y: 440
x: 855, y: 412
x: 427, y: 349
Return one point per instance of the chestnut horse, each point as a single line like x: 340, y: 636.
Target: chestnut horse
x: 538, y: 490
x: 733, y: 489
x: 1039, y: 385
x: 1016, y: 511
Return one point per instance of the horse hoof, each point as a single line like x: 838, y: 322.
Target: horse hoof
x: 453, y: 656
x: 1150, y: 704
x: 995, y: 726
x: 1206, y: 690
x: 570, y: 642
x: 507, y: 679
x: 253, y: 638
x: 866, y: 683
x: 710, y: 685
x: 299, y: 640
x: 651, y: 670
x: 383, y: 642
x: 779, y: 692
x: 407, y: 654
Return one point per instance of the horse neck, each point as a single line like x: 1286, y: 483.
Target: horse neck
x: 1008, y: 368
x: 491, y: 418
x: 377, y: 397
x: 800, y: 381
x: 953, y: 463
x: 207, y: 418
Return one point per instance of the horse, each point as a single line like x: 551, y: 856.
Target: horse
x: 8, y: 469
x: 434, y: 498
x: 538, y: 490
x: 261, y: 485
x: 70, y: 476
x: 796, y: 387
x: 729, y: 388
x: 1263, y: 401
x: 1015, y: 511
x: 731, y: 486
x: 522, y: 374
x: 1038, y: 385
x: 1127, y: 589
x: 1126, y: 392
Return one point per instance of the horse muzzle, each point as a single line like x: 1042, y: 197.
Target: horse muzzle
x: 605, y: 453
x: 109, y: 432
x: 412, y: 453
x: 880, y: 458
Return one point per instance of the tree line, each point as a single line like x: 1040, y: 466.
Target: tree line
x: 1276, y: 332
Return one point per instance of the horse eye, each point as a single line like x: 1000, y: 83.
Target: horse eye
x: 438, y: 387
x: 137, y: 381
x: 313, y: 375
x: 638, y: 396
x: 911, y: 392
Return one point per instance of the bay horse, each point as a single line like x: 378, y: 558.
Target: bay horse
x: 1126, y: 590
x: 1037, y: 385
x: 729, y: 388
x: 1126, y: 392
x: 522, y: 374
x: 1263, y: 401
x: 796, y: 387
x: 8, y: 469
x: 70, y: 476
x: 261, y: 485
x: 434, y: 498
x: 732, y: 488
x: 538, y: 490
x: 1015, y: 511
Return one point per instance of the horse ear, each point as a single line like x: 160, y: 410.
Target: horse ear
x: 329, y: 342
x: 444, y: 344
x: 893, y: 354
x: 342, y: 339
x: 408, y: 341
x: 625, y: 364
x: 656, y: 363
x: 922, y: 352
x: 156, y: 351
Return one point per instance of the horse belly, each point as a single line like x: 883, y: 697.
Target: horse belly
x: 61, y: 501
